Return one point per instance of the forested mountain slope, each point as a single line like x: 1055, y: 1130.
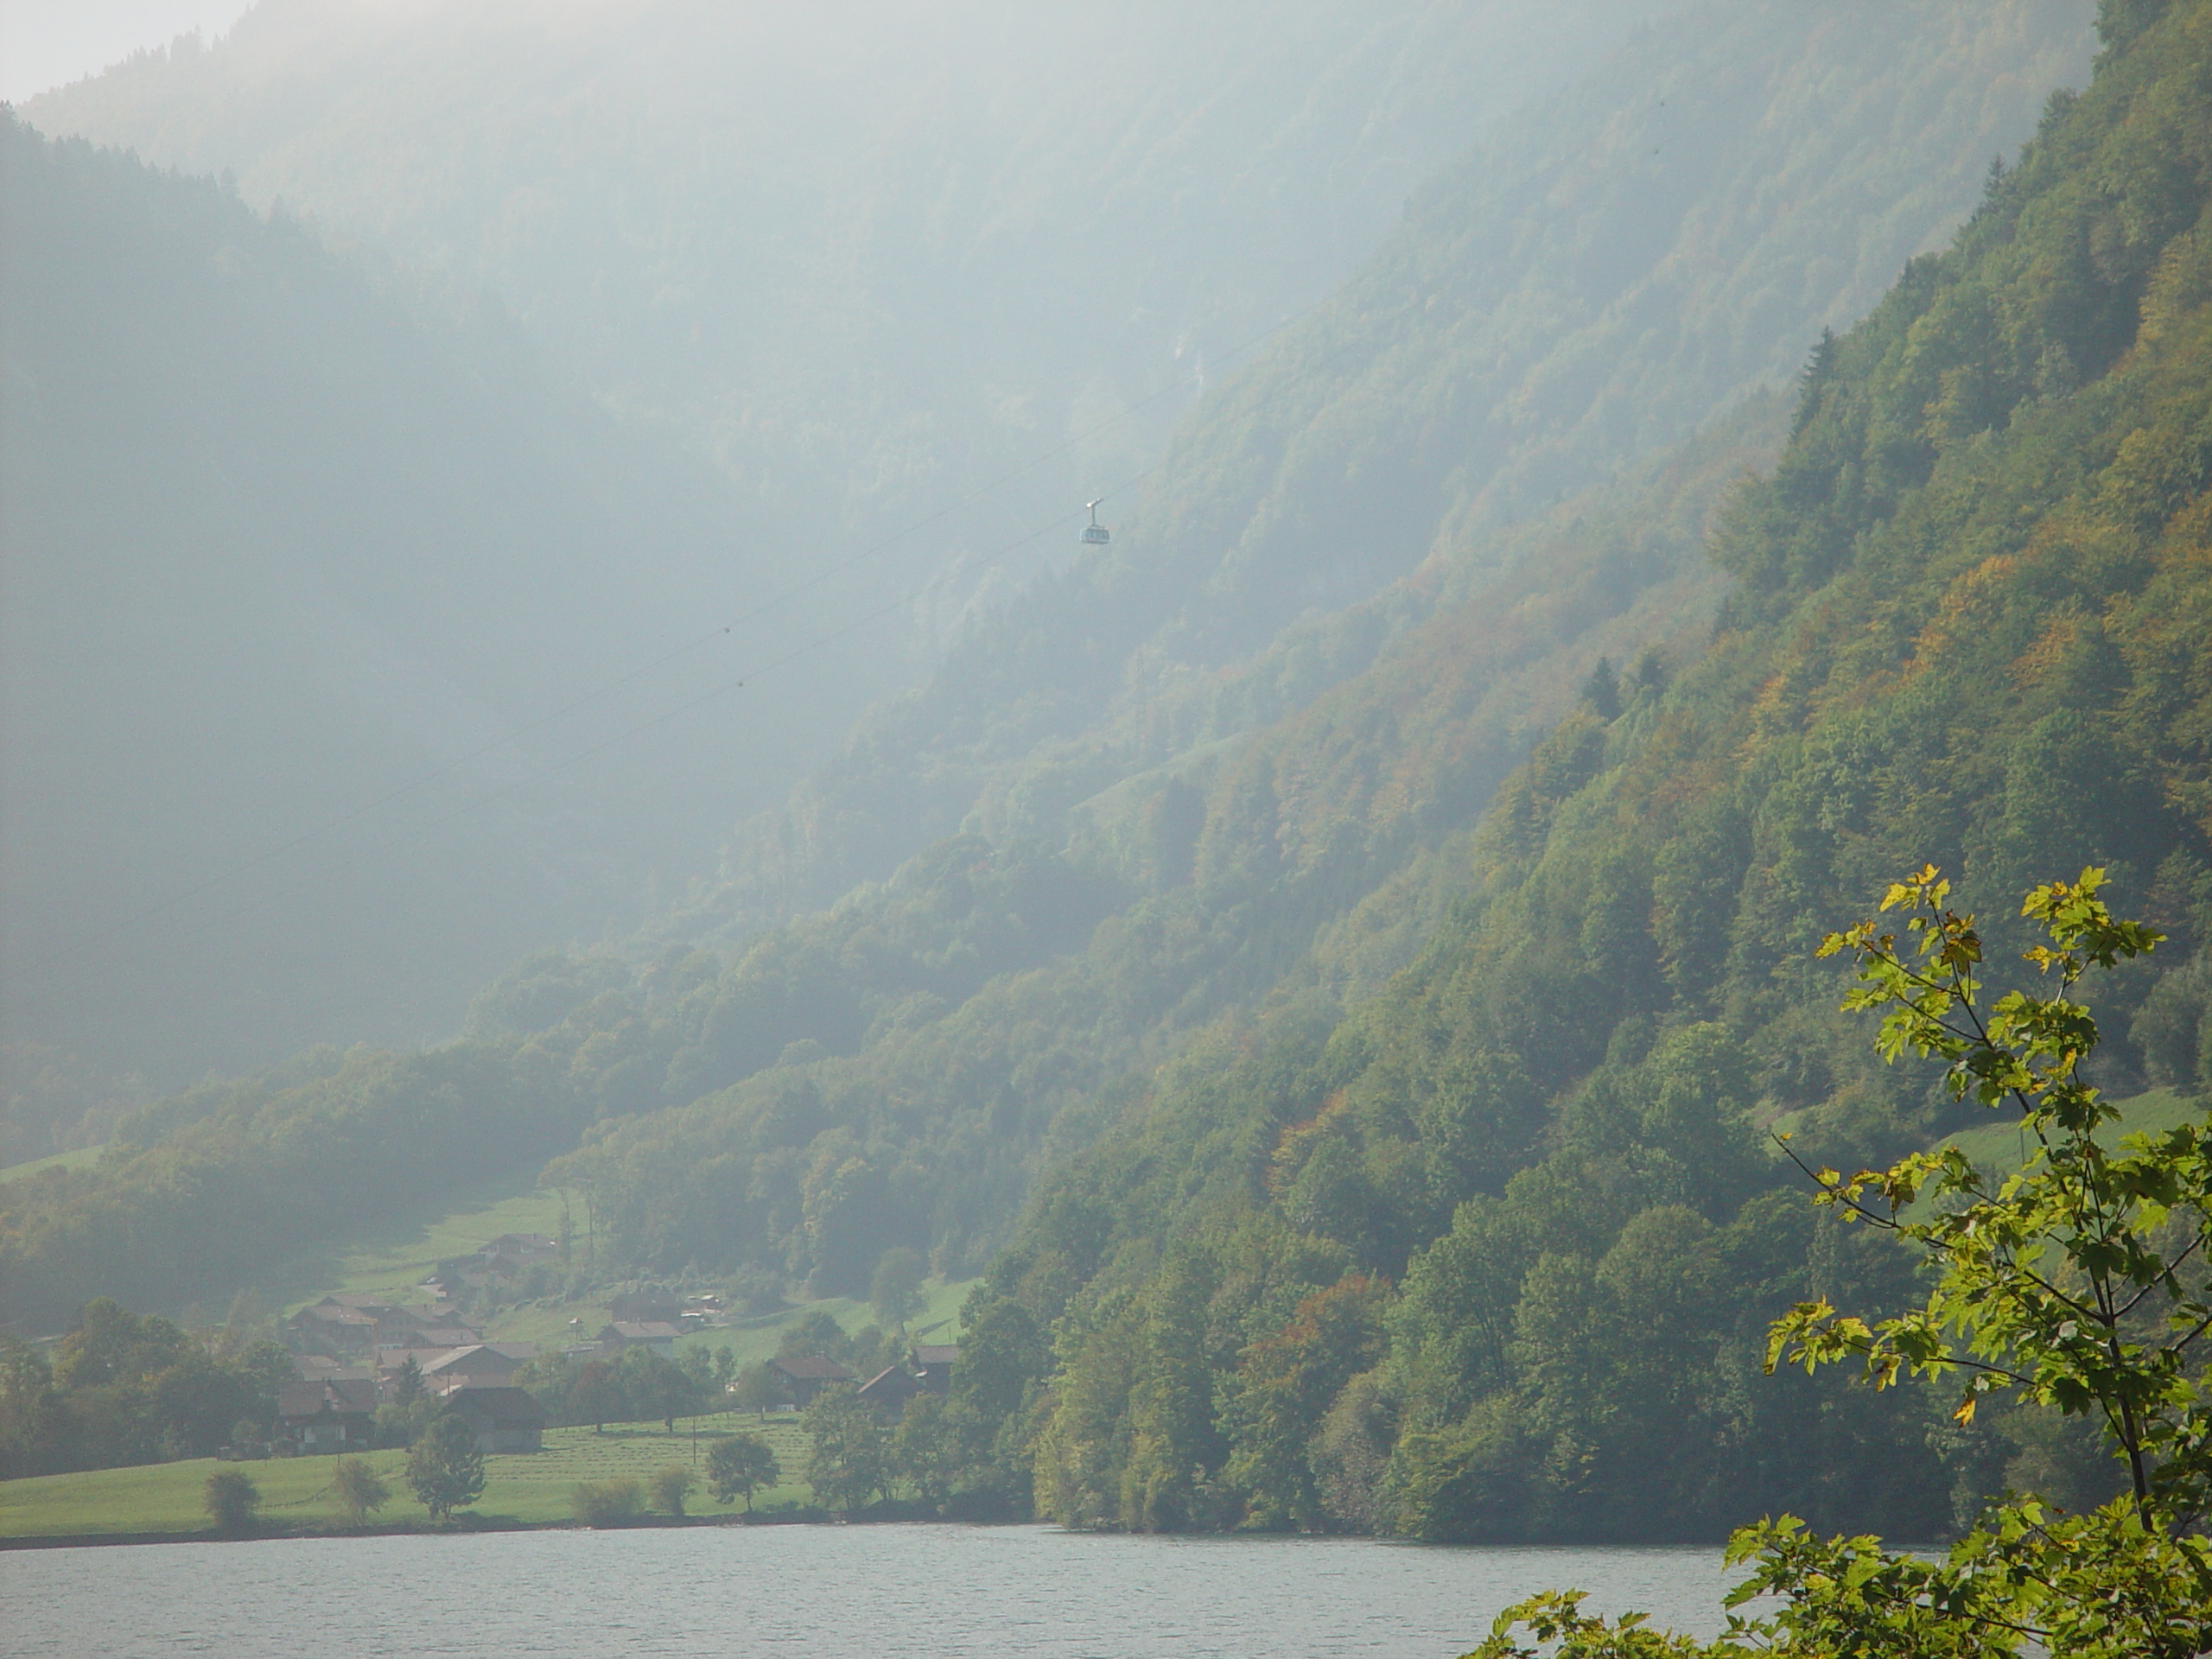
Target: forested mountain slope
x: 859, y: 259
x: 1603, y: 273
x: 1148, y: 839
x: 284, y: 533
x: 1491, y: 1255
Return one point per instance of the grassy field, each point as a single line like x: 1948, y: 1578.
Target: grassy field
x: 530, y: 1489
x: 296, y: 1491
x: 394, y: 1259
x: 83, y: 1158
x: 2003, y: 1147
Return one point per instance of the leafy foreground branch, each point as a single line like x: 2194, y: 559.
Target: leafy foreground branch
x: 2078, y: 1283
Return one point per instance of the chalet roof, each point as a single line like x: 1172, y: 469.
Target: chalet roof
x: 477, y: 1356
x: 346, y: 1396
x: 644, y: 1330
x: 330, y: 1313
x: 314, y: 1367
x: 813, y: 1368
x: 496, y: 1408
x: 353, y: 1393
x: 532, y: 1242
x: 392, y: 1356
x: 936, y: 1353
x: 299, y: 1399
x: 893, y: 1382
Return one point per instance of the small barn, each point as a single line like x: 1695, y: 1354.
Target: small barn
x: 475, y: 1366
x: 646, y: 1308
x: 933, y: 1361
x: 889, y: 1390
x: 503, y: 1419
x: 804, y: 1375
x: 329, y: 1414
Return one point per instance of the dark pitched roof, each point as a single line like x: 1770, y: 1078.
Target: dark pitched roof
x: 299, y: 1399
x: 344, y: 1395
x: 936, y: 1353
x: 893, y: 1382
x: 644, y: 1330
x: 477, y: 1356
x: 354, y: 1393
x: 333, y: 1313
x: 812, y: 1366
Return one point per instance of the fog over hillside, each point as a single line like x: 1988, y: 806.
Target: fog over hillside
x: 823, y: 271
x: 865, y: 252
x: 1241, y: 745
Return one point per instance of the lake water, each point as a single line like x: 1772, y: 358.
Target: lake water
x: 826, y: 1592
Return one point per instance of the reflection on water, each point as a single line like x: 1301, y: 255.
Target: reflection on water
x: 830, y: 1593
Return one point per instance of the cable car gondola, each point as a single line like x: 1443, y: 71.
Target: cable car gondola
x: 1095, y: 534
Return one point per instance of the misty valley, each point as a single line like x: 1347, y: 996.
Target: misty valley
x: 1026, y: 825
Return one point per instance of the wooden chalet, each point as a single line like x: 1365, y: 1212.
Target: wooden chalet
x: 804, y: 1375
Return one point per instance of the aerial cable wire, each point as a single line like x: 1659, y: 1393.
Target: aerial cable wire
x: 328, y: 826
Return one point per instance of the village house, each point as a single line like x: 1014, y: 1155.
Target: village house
x: 523, y: 1249
x: 354, y: 1321
x: 933, y: 1361
x: 331, y: 1327
x: 889, y: 1390
x: 504, y: 1419
x: 459, y: 1368
x: 647, y: 1307
x: 804, y: 1375
x: 496, y: 1361
x: 657, y: 1334
x: 321, y: 1367
x: 335, y: 1414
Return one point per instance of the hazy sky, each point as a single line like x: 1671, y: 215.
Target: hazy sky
x: 49, y: 43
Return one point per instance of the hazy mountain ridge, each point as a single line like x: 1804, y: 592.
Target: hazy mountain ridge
x: 867, y: 252
x: 901, y: 1067
x: 1526, y: 330
x: 284, y: 534
x: 861, y: 291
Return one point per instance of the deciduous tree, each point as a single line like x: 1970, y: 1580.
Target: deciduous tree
x: 741, y: 1464
x: 445, y: 1469
x: 359, y: 1489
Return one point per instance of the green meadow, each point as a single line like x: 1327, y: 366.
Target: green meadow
x: 82, y: 1157
x: 526, y: 1488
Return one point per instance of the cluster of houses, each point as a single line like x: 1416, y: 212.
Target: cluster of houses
x: 651, y: 1319
x: 338, y: 1414
x: 351, y: 1352
x: 927, y: 1369
x: 501, y: 1266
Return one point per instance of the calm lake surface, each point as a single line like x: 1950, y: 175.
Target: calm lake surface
x: 827, y: 1592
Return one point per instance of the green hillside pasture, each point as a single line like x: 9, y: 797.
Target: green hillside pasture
x: 2003, y: 1147
x: 82, y: 1157
x: 530, y: 1488
x: 394, y: 1258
